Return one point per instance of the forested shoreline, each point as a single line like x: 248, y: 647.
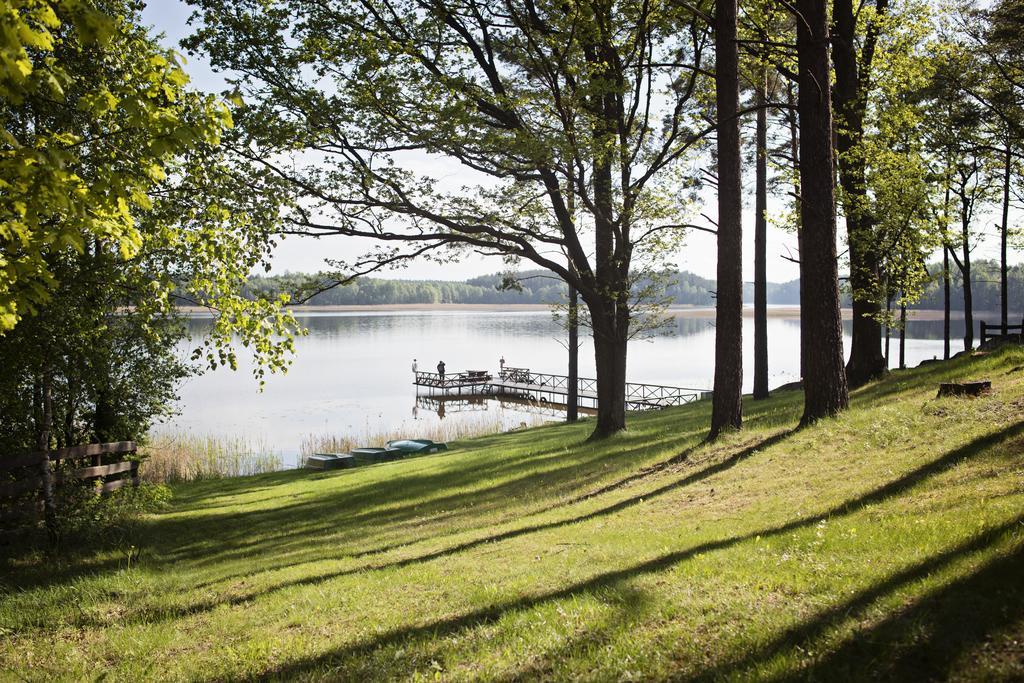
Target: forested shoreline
x: 539, y: 287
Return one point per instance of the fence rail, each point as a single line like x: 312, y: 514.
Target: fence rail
x: 999, y: 331
x: 21, y: 474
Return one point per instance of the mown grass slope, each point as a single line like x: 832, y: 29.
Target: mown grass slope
x: 886, y: 543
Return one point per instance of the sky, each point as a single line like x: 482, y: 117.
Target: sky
x: 698, y: 254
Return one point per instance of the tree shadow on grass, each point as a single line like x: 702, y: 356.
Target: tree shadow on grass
x: 644, y: 473
x: 163, y: 614
x: 222, y: 537
x: 352, y: 511
x: 361, y: 506
x: 929, y: 638
x: 582, y: 473
x: 803, y: 634
x: 453, y: 624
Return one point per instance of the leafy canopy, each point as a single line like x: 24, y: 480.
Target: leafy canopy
x: 79, y: 157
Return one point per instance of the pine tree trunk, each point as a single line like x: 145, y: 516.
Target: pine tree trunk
x: 794, y: 151
x: 965, y: 271
x: 866, y: 360
x: 945, y: 302
x: 572, y: 398
x: 825, y: 388
x: 903, y: 334
x: 727, y: 405
x: 888, y: 328
x: 761, y: 248
x: 1003, y: 233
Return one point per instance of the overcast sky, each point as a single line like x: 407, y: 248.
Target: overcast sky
x: 307, y: 254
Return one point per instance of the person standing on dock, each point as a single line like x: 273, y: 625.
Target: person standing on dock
x: 440, y: 369
x: 501, y: 364
x: 414, y: 366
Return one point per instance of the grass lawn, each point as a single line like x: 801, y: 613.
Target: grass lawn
x: 887, y: 543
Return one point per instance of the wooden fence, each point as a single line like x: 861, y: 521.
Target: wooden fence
x: 109, y: 466
x: 1010, y: 333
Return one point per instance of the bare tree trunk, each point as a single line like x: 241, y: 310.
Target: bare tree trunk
x: 903, y: 333
x: 965, y: 270
x: 572, y: 399
x: 1003, y: 232
x: 852, y: 84
x: 572, y: 390
x: 43, y: 446
x: 794, y: 151
x: 610, y: 357
x: 610, y: 311
x: 945, y: 279
x: 945, y: 301
x: 727, y: 404
x: 888, y: 327
x: 825, y: 389
x: 761, y: 247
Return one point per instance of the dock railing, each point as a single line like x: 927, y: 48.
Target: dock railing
x: 637, y: 394
x: 452, y: 380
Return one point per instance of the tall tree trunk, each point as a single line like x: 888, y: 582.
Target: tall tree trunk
x: 1004, y: 231
x: 825, y: 389
x: 610, y: 310
x: 851, y: 92
x: 903, y: 333
x: 572, y: 390
x: 45, y: 429
x: 945, y: 279
x: 794, y: 151
x: 965, y: 271
x: 761, y: 246
x: 945, y: 301
x: 727, y: 404
x: 610, y: 357
x: 888, y: 327
x: 572, y: 400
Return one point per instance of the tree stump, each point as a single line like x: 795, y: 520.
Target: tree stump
x: 965, y: 388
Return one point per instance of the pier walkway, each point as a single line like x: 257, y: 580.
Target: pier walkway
x: 523, y: 384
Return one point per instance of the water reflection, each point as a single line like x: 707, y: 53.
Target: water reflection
x: 351, y: 374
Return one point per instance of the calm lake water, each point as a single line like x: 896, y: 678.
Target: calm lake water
x: 351, y: 375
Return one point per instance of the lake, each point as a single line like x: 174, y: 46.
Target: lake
x: 352, y: 374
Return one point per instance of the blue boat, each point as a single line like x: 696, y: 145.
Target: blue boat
x: 418, y: 446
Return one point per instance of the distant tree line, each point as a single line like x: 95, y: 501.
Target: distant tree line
x: 532, y: 287
x: 684, y: 289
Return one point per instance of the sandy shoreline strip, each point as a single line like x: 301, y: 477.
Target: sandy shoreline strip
x: 786, y: 312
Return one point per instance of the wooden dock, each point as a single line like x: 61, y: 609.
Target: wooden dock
x: 522, y: 384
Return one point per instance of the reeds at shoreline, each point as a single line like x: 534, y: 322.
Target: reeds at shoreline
x: 172, y: 457
x: 183, y: 456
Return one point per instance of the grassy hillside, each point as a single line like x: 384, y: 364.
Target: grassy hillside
x: 888, y: 542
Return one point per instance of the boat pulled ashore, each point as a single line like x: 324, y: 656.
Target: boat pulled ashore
x: 393, y: 450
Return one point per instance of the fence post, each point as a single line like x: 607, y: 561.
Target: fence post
x: 982, y: 333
